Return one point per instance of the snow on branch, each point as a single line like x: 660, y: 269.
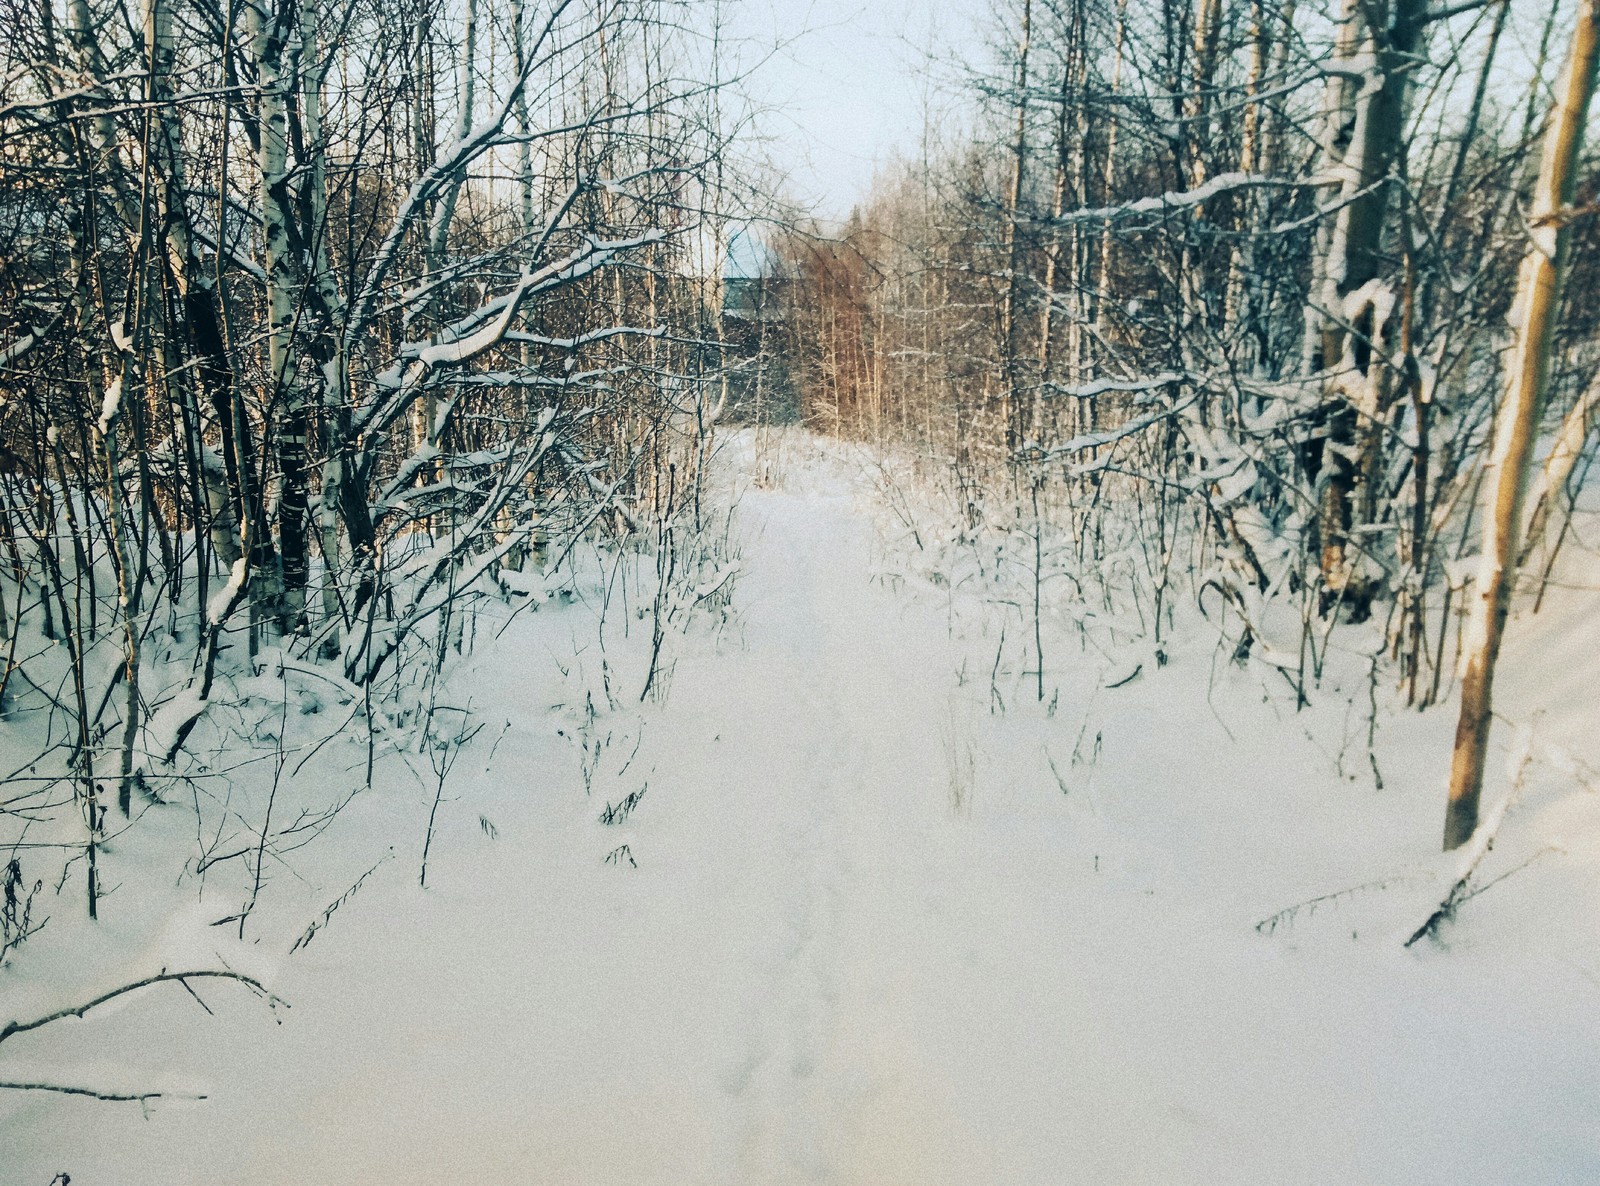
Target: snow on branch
x: 580, y: 340
x: 455, y: 157
x: 1175, y: 200
x: 227, y: 598
x: 1106, y: 386
x: 1110, y: 436
x: 452, y: 351
x: 12, y: 1028
x: 489, y: 323
x: 487, y: 326
x: 16, y: 349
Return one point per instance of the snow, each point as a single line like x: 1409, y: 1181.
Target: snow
x: 169, y: 720
x: 456, y: 350
x: 15, y: 350
x: 1107, y: 386
x: 889, y: 918
x: 1109, y: 436
x: 1173, y: 201
x: 521, y: 581
x: 110, y: 407
x: 222, y: 602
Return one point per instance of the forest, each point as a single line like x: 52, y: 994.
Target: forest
x: 535, y: 653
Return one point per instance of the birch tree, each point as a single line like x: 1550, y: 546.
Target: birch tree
x: 1521, y: 407
x: 242, y: 248
x: 1349, y: 329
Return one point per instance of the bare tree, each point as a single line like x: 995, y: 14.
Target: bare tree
x: 1534, y: 316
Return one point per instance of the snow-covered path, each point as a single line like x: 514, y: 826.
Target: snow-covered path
x: 868, y: 940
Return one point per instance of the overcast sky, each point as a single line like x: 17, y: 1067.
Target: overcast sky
x: 844, y: 89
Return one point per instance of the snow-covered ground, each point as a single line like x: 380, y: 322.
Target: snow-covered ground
x: 882, y: 917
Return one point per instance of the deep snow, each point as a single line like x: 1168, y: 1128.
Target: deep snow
x: 870, y: 926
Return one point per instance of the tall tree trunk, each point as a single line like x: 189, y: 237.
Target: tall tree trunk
x: 1069, y: 152
x: 1363, y: 140
x: 283, y: 591
x: 1243, y: 318
x: 519, y: 111
x: 444, y: 212
x: 1534, y: 315
x: 123, y: 320
x: 327, y: 344
x: 1207, y: 32
x: 1102, y: 282
x: 221, y: 484
x: 1010, y: 369
x: 1193, y: 139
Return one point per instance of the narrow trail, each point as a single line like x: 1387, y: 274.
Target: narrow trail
x: 830, y: 1094
x: 867, y: 941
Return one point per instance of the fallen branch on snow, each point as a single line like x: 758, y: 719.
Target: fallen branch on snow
x: 1478, y: 847
x: 138, y: 1097
x: 12, y: 1028
x: 1270, y: 924
x: 1459, y: 893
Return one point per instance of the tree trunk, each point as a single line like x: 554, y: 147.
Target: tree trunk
x: 1013, y: 246
x: 426, y: 426
x: 220, y: 483
x: 1363, y: 139
x: 330, y: 352
x: 284, y: 591
x: 1534, y: 315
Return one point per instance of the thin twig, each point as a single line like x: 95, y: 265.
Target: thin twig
x: 139, y: 1097
x: 21, y: 1027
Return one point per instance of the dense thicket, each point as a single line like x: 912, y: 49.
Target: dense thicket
x: 1236, y: 276
x: 317, y: 319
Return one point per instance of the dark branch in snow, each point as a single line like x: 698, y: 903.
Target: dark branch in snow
x: 13, y: 1028
x: 138, y: 1097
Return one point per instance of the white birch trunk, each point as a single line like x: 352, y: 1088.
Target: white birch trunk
x: 283, y: 591
x: 334, y: 366
x: 1363, y: 137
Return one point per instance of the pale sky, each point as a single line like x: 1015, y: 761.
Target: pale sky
x: 844, y: 87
